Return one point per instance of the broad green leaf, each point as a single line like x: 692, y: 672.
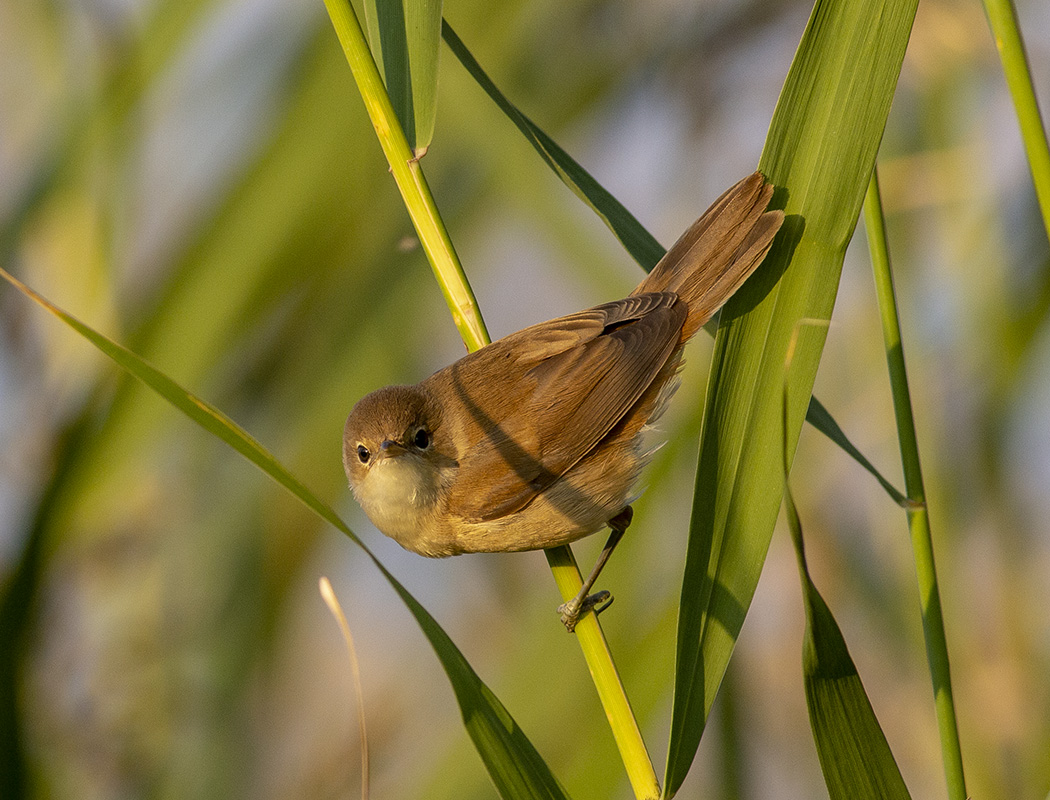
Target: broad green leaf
x: 852, y: 748
x: 639, y: 243
x: 820, y: 151
x: 405, y: 37
x: 514, y: 765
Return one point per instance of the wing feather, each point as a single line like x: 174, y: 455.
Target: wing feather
x: 563, y: 386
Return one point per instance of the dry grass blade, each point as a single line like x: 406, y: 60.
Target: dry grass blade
x: 328, y: 594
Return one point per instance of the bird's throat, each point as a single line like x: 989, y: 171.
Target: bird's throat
x: 401, y: 494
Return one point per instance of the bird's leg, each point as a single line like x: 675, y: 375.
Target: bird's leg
x: 599, y: 601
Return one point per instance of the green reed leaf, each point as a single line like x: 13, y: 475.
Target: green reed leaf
x: 641, y: 244
x: 853, y: 751
x: 820, y: 151
x: 512, y: 761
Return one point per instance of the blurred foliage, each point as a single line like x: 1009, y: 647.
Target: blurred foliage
x: 199, y: 181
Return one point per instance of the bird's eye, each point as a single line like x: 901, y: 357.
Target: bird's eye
x: 422, y: 439
x: 363, y: 454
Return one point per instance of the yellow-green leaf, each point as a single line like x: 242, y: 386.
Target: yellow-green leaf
x: 819, y: 153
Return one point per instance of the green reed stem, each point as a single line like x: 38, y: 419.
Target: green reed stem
x: 918, y: 514
x: 1002, y: 16
x: 409, y: 177
x: 450, y: 276
x: 614, y: 700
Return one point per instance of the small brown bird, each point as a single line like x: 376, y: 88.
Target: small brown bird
x: 536, y: 440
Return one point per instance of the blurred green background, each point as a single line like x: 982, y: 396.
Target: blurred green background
x: 199, y: 181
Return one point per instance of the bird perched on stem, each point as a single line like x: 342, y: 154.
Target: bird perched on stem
x: 536, y: 440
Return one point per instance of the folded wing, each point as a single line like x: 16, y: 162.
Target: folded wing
x: 572, y: 380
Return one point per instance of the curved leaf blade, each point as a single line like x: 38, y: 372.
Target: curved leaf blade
x: 641, y: 244
x: 820, y: 418
x: 854, y: 754
x: 513, y: 763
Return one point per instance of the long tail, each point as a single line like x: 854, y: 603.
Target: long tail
x: 718, y: 252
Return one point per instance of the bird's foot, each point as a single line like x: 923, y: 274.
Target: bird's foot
x: 571, y: 611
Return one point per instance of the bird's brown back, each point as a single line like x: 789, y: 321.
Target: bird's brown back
x: 532, y: 405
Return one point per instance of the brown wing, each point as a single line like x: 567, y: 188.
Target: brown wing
x: 546, y: 396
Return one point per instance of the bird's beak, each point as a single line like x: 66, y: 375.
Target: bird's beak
x: 391, y: 448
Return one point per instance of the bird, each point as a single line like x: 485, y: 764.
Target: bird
x: 538, y: 439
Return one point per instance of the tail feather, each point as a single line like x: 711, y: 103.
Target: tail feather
x: 718, y: 252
